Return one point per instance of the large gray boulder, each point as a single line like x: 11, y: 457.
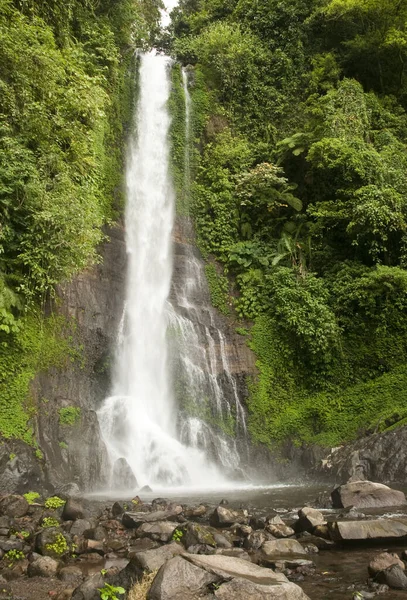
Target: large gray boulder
x: 178, y: 579
x: 132, y: 520
x: 366, y: 494
x: 13, y: 506
x: 152, y: 560
x: 223, y: 517
x: 394, y: 577
x: 160, y: 531
x: 383, y: 561
x: 250, y: 580
x: 375, y: 529
x: 243, y: 589
x: 194, y: 533
x: 44, y: 566
x: 308, y: 519
x: 277, y: 528
x: 275, y: 548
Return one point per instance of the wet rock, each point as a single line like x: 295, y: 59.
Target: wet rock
x: 309, y: 518
x: 255, y: 540
x: 117, y: 509
x: 257, y: 522
x: 73, y: 509
x: 88, y: 590
x: 178, y: 579
x: 384, y: 561
x: 366, y: 494
x: 123, y: 477
x: 13, y: 506
x: 132, y: 520
x: 152, y: 560
x: 45, y: 566
x: 311, y: 549
x: 195, y: 511
x: 70, y: 574
x: 14, y: 544
x: 99, y: 533
x: 222, y: 517
x: 53, y: 542
x: 362, y: 530
x: 192, y: 534
x: 239, y: 570
x: 278, y: 528
x: 282, y: 547
x: 141, y: 545
x: 234, y: 552
x: 79, y: 527
x: 145, y: 489
x: 321, y: 531
x: 394, y: 577
x: 160, y: 531
x: 242, y: 589
x: 320, y: 543
x: 222, y: 541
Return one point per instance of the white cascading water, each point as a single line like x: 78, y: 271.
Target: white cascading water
x: 139, y: 420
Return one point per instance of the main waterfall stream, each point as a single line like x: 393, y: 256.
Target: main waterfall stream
x: 140, y: 421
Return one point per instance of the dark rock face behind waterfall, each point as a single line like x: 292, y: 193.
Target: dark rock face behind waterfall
x: 72, y: 449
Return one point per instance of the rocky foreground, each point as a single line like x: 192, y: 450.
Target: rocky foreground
x: 75, y: 549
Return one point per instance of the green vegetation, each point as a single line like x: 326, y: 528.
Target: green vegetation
x: 177, y: 535
x: 69, y: 415
x: 54, y: 502
x: 110, y: 592
x: 31, y: 497
x: 13, y: 556
x: 66, y: 97
x: 49, y: 522
x: 59, y: 547
x: 299, y: 195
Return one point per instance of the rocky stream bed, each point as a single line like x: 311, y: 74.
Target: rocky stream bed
x: 351, y: 544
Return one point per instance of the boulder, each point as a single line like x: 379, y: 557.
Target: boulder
x: 13, y: 506
x: 160, y: 531
x: 70, y: 574
x: 366, y: 494
x: 278, y: 528
x: 53, y: 542
x: 193, y: 534
x: 242, y: 589
x: 223, y: 517
x: 394, y: 577
x: 363, y: 530
x: 234, y: 552
x: 255, y: 540
x: 73, y: 509
x: 178, y: 579
x: 152, y: 560
x: 132, y: 520
x: 123, y: 477
x: 276, y: 548
x: 79, y: 527
x: 45, y: 566
x: 88, y: 590
x: 195, y: 511
x: 309, y: 518
x: 384, y: 561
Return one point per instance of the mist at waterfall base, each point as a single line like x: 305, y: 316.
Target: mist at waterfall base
x: 139, y: 421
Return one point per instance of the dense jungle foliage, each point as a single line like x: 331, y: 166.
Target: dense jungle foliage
x: 65, y: 100
x: 300, y: 198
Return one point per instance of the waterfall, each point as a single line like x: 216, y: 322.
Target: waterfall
x: 139, y: 420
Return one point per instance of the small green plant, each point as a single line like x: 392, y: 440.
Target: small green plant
x: 22, y: 534
x: 13, y: 556
x: 49, y: 522
x: 12, y: 456
x: 54, y: 502
x: 59, y: 547
x: 177, y: 535
x: 31, y: 497
x: 110, y: 592
x: 69, y: 415
x: 39, y: 454
x: 63, y: 445
x: 103, y: 572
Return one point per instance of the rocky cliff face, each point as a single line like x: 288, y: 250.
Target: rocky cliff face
x: 74, y: 454
x: 379, y: 457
